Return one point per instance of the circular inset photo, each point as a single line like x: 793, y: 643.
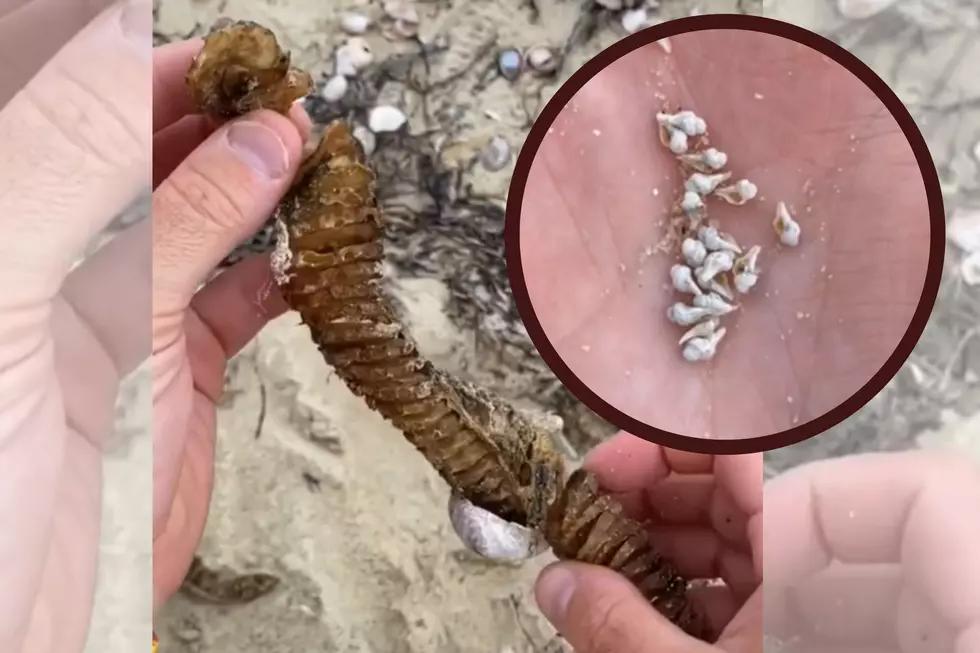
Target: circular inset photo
x: 725, y: 234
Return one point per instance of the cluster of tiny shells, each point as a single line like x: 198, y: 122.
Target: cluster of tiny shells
x: 714, y: 269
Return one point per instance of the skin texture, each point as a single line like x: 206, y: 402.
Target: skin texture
x: 590, y: 212
x: 207, y: 198
x: 76, y: 152
x: 705, y: 513
x: 904, y: 549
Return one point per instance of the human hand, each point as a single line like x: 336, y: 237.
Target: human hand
x: 823, y: 318
x: 76, y: 105
x: 212, y: 190
x: 875, y: 553
x: 705, y: 514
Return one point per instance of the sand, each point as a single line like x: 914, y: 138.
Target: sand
x: 326, y: 494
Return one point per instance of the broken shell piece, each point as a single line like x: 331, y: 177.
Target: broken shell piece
x: 510, y: 64
x: 716, y: 241
x: 702, y: 348
x: 691, y: 203
x: 738, y: 193
x: 707, y: 161
x: 334, y: 89
x: 693, y: 251
x: 714, y: 264
x: 353, y: 56
x: 542, y: 60
x: 745, y: 281
x: 354, y: 23
x: 686, y: 121
x: 705, y: 184
x: 786, y: 227
x: 685, y: 315
x: 683, y: 279
x: 366, y: 138
x: 700, y: 330
x: 386, y: 118
x: 714, y: 303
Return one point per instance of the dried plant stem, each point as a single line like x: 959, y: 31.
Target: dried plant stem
x: 498, y: 457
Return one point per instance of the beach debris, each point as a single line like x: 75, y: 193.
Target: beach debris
x: 354, y: 23
x: 386, y: 118
x: 402, y: 20
x: 542, y: 60
x: 786, y: 227
x: 682, y: 278
x: 352, y: 56
x: 510, y: 63
x: 334, y: 89
x: 738, y: 193
x: 702, y: 348
x: 496, y: 154
x: 366, y: 138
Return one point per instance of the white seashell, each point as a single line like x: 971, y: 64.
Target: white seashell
x: 716, y: 241
x: 745, y: 281
x: 490, y: 536
x: 714, y: 264
x: 352, y: 57
x: 496, y: 154
x: 703, y: 348
x: 714, y: 303
x: 700, y: 330
x: 709, y: 160
x: 963, y: 229
x: 861, y: 9
x: 970, y: 269
x: 686, y: 121
x: 738, y: 193
x: 354, y: 23
x: 693, y: 251
x: 633, y: 20
x: 705, y: 184
x: 748, y: 262
x: 678, y: 141
x: 386, y: 118
x: 334, y: 89
x: 685, y: 315
x: 541, y: 59
x: 786, y: 228
x: 366, y: 137
x: 691, y: 203
x: 682, y: 278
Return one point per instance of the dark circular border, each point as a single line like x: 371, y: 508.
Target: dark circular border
x: 937, y: 233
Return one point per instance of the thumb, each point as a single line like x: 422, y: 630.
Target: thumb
x: 599, y: 611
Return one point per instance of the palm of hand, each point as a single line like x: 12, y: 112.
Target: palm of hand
x: 823, y: 318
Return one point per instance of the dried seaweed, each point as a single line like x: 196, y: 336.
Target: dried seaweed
x: 329, y: 261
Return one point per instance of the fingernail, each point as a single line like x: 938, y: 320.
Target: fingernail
x: 260, y: 147
x: 555, y: 592
x: 136, y: 22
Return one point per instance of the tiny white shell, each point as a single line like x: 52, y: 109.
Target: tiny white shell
x: 714, y: 303
x: 688, y: 122
x: 542, y: 59
x: 490, y: 536
x: 745, y: 281
x: 700, y: 330
x: 386, y: 118
x: 682, y: 278
x: 714, y: 264
x: 691, y: 203
x: 352, y: 57
x: 748, y: 262
x: 354, y: 23
x: 633, y: 20
x: 366, y: 137
x: 707, y: 161
x: 716, y: 241
x: 693, y: 251
x: 704, y: 184
x: 678, y: 141
x: 685, y: 315
x: 703, y: 348
x: 334, y: 89
x: 738, y: 193
x: 786, y: 227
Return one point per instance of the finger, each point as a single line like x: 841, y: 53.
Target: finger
x: 898, y: 508
x: 111, y: 294
x: 77, y: 151
x: 217, y: 197
x: 237, y: 303
x: 174, y: 143
x: 599, y: 611
x: 171, y: 99
x: 626, y: 463
x: 29, y: 36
